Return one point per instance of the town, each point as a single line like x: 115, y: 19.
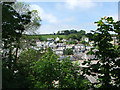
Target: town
x: 77, y: 51
x: 55, y: 45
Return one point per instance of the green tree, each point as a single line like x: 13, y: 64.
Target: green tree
x: 79, y: 36
x: 13, y: 26
x: 82, y: 32
x: 70, y: 76
x: 73, y: 31
x: 58, y: 33
x: 50, y: 69
x: 108, y: 55
x: 25, y: 61
x: 23, y: 8
x: 72, y: 36
x: 66, y: 32
x: 68, y: 52
x: 45, y: 71
x: 90, y: 36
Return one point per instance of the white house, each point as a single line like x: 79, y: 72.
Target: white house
x: 58, y: 51
x: 80, y: 46
x: 57, y: 39
x: 70, y: 46
x: 89, y: 47
x: 91, y: 43
x: 64, y: 40
x: 38, y: 43
x: 86, y: 39
x: 50, y: 39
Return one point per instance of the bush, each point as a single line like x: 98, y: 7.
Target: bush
x: 108, y: 65
x: 49, y: 69
x: 68, y: 52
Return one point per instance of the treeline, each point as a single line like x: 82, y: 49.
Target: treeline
x: 67, y: 32
x: 75, y: 34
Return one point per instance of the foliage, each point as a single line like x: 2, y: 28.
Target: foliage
x: 19, y: 78
x: 72, y: 36
x: 61, y: 38
x: 45, y: 71
x: 82, y: 32
x: 77, y: 36
x: 60, y: 41
x: 48, y: 70
x: 90, y: 36
x: 26, y: 58
x: 85, y: 43
x: 8, y: 80
x: 71, y: 42
x: 67, y: 32
x: 70, y: 76
x: 107, y: 68
x: 74, y: 42
x: 23, y: 8
x: 68, y: 52
x: 13, y: 26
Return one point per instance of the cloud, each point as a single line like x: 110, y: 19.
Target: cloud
x: 44, y: 16
x: 83, y: 4
x: 49, y: 17
x: 65, y: 0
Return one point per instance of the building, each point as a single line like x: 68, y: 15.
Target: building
x: 50, y: 39
x: 57, y: 39
x: 86, y: 39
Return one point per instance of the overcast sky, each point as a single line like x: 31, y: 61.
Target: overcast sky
x: 72, y: 14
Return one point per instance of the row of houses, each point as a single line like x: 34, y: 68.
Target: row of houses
x: 86, y: 39
x: 79, y: 50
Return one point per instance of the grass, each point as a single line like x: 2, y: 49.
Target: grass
x: 44, y: 37
x: 53, y: 36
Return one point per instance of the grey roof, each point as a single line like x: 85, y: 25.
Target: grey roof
x: 63, y: 57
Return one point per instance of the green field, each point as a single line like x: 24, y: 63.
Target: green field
x: 44, y: 37
x: 53, y: 36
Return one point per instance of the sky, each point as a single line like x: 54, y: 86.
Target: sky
x: 72, y: 14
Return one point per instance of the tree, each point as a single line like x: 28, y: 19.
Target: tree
x: 58, y: 33
x: 49, y: 70
x: 23, y: 8
x: 82, y: 32
x: 25, y: 61
x: 73, y: 31
x: 66, y: 32
x: 70, y: 76
x: 90, y: 36
x: 68, y: 52
x: 79, y: 36
x: 107, y: 68
x: 72, y: 36
x: 45, y: 71
x: 13, y: 26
